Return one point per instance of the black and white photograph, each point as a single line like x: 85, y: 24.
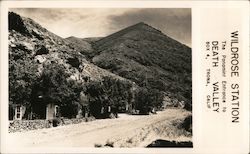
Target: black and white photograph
x: 100, y: 77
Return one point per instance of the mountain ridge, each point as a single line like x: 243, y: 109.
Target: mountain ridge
x: 141, y: 52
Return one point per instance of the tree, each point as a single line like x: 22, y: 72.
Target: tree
x: 109, y: 92
x: 55, y: 87
x: 147, y: 99
x: 22, y: 76
x: 95, y: 93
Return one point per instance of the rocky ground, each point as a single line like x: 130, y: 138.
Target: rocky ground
x: 125, y: 131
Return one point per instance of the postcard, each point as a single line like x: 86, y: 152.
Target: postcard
x: 125, y: 76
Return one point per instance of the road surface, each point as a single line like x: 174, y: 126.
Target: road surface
x: 125, y: 131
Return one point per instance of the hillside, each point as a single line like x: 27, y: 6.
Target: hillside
x: 34, y: 44
x: 39, y: 60
x: 84, y: 45
x: 91, y: 40
x: 80, y: 44
x: 61, y: 70
x: 148, y: 57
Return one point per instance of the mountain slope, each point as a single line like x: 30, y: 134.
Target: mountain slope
x: 80, y: 44
x: 45, y: 68
x: 148, y: 57
x: 84, y: 45
x: 139, y: 53
x: 32, y: 45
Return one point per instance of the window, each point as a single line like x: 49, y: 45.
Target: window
x: 18, y: 108
x: 56, y: 110
x: 18, y: 112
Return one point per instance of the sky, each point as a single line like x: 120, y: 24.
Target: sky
x: 99, y: 22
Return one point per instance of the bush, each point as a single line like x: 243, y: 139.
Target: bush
x: 109, y: 144
x: 56, y: 122
x: 187, y: 124
x: 188, y: 106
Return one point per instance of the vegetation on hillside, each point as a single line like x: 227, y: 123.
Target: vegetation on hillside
x: 44, y: 68
x: 143, y: 54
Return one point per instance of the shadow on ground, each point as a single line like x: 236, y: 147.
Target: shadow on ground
x: 170, y: 144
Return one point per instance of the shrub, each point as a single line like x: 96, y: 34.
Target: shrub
x: 187, y: 124
x: 56, y: 122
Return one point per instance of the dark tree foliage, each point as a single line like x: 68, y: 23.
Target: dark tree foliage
x: 55, y: 87
x: 147, y: 99
x: 53, y: 83
x: 118, y: 95
x: 94, y: 91
x: 109, y: 92
x: 22, y: 76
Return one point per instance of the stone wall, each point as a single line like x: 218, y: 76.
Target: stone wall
x: 26, y: 125
x: 76, y: 121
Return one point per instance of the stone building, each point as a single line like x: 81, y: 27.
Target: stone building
x: 16, y: 112
x: 20, y: 112
x: 52, y: 111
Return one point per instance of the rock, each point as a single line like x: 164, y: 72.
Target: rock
x: 28, y: 46
x: 16, y: 23
x: 42, y: 50
x: 40, y: 59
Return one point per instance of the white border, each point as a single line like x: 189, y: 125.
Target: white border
x: 196, y: 60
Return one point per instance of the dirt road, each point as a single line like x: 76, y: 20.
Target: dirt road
x: 125, y: 131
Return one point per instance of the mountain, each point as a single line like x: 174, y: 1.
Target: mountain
x: 138, y: 54
x: 45, y: 68
x: 32, y: 45
x: 148, y: 57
